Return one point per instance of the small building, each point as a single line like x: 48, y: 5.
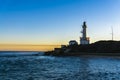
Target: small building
x: 73, y: 42
x: 63, y: 46
x: 57, y: 50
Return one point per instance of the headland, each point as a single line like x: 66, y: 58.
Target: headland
x: 102, y: 47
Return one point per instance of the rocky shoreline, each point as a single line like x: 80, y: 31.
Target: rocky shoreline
x: 103, y: 48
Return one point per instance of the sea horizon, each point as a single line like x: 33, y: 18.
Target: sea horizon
x: 27, y: 47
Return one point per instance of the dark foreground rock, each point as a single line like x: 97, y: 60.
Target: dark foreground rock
x: 104, y: 48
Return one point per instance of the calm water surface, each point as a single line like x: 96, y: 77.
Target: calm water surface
x: 59, y: 68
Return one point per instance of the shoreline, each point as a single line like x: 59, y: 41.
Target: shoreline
x: 81, y: 54
x: 99, y: 48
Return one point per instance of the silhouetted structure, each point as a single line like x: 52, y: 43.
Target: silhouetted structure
x: 73, y: 42
x: 84, y: 40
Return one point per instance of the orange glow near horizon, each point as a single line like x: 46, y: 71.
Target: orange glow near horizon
x: 28, y: 47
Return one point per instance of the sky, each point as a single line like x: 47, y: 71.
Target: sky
x: 56, y: 22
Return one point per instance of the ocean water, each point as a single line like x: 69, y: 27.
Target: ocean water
x: 40, y: 67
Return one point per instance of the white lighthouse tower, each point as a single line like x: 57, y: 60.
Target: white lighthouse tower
x: 84, y: 40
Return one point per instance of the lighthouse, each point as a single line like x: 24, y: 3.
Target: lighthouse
x: 84, y: 39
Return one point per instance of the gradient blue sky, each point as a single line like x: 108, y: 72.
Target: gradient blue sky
x: 57, y: 21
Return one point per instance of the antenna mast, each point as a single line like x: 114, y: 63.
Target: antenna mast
x: 112, y: 33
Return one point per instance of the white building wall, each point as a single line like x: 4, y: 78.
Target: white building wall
x: 84, y: 41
